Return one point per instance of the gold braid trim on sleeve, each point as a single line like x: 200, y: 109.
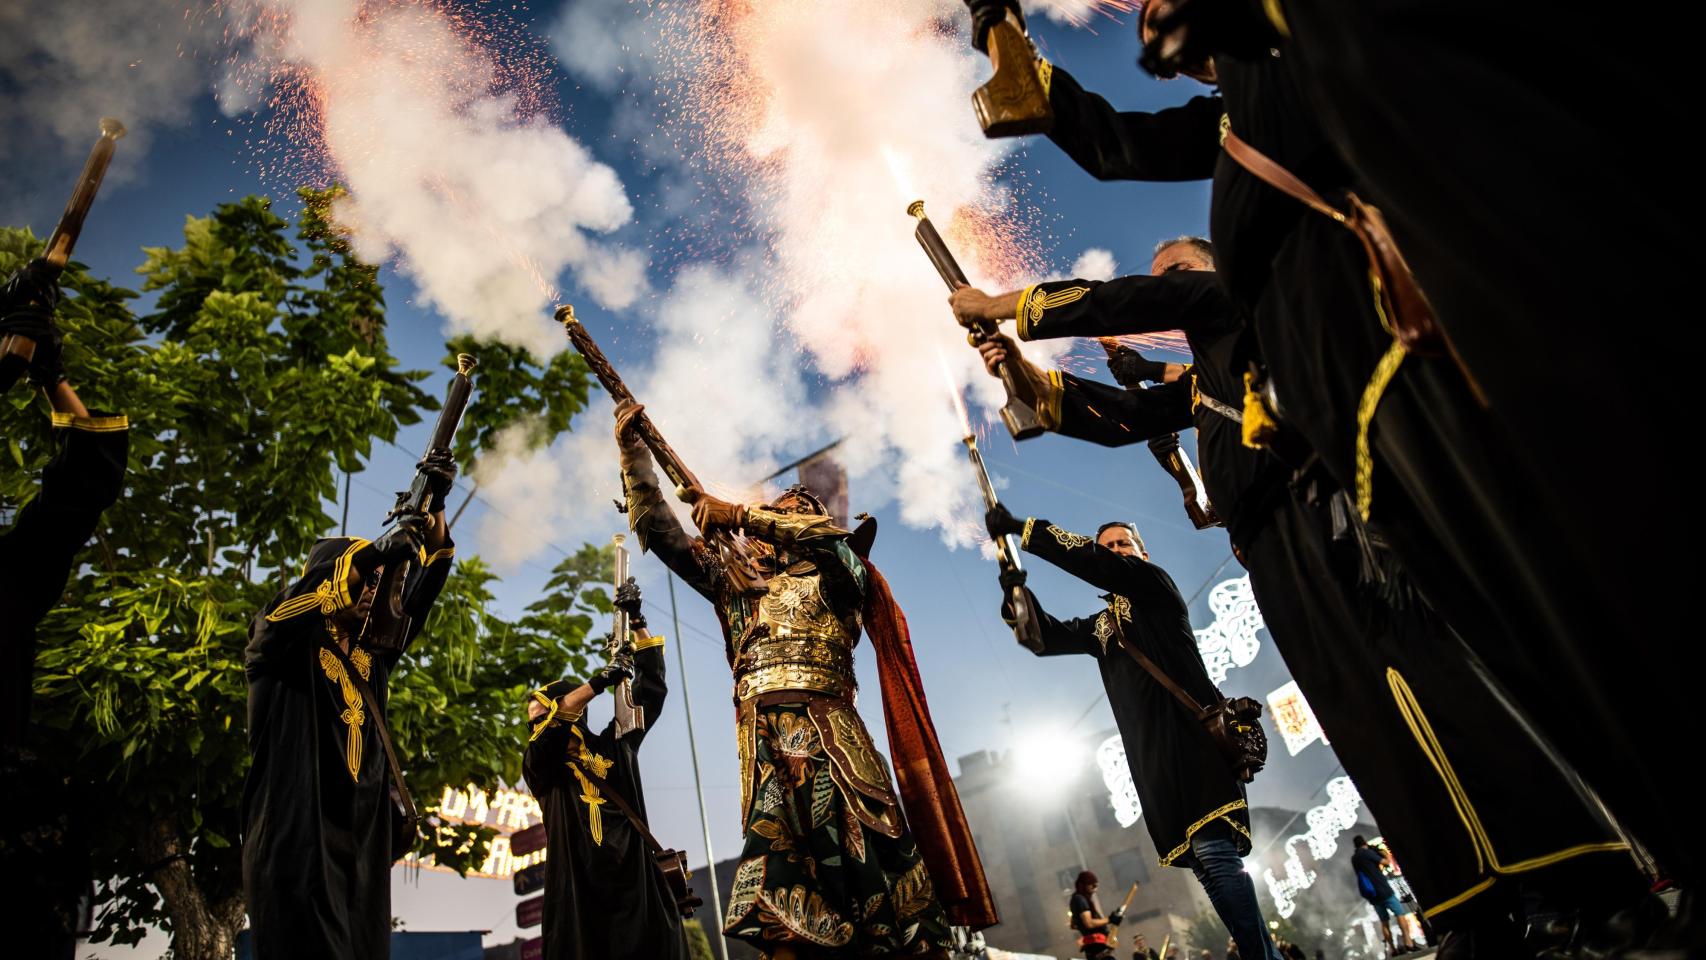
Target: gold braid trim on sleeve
x: 1045, y: 69
x: 1021, y: 316
x: 655, y: 640
x: 116, y: 424
x: 1025, y: 538
x: 1053, y: 390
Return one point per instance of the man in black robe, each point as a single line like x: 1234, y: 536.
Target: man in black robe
x: 318, y: 807
x: 1509, y: 129
x: 1378, y: 664
x: 1438, y: 478
x: 605, y: 898
x: 1194, y: 807
x: 37, y: 553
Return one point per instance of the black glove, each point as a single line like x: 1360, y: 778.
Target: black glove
x: 1190, y: 32
x: 628, y: 601
x: 1131, y: 368
x: 27, y: 303
x: 986, y: 14
x: 609, y: 676
x: 1011, y: 579
x: 439, y: 467
x: 404, y: 541
x: 1117, y: 916
x: 1000, y: 523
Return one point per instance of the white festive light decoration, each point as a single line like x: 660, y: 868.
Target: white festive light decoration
x: 1294, y: 719
x: 1230, y: 641
x: 1116, y: 775
x: 1326, y: 822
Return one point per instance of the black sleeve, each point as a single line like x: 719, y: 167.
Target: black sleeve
x: 426, y: 582
x: 1179, y: 143
x: 1113, y: 416
x: 81, y: 481
x: 1095, y: 564
x: 1060, y: 637
x: 648, y: 685
x: 1188, y: 300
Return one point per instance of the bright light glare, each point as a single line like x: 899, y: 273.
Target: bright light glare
x: 1046, y: 763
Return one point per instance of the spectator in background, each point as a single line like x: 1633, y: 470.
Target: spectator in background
x: 1371, y: 883
x: 1141, y: 950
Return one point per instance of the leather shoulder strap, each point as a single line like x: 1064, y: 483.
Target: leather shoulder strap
x: 1275, y: 175
x: 1160, y: 676
x: 378, y: 725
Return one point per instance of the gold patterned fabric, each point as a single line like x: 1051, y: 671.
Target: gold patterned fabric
x: 798, y: 641
x: 813, y: 871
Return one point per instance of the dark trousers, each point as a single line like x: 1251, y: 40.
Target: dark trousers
x: 1220, y: 870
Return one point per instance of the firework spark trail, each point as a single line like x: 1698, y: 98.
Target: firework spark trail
x: 443, y: 126
x: 809, y: 109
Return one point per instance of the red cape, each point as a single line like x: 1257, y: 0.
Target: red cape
x: 927, y: 793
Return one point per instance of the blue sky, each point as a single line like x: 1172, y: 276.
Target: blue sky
x: 987, y: 693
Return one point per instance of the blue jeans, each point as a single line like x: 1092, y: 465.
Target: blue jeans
x: 1221, y: 872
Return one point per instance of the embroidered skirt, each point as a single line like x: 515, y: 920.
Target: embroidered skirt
x: 827, y: 862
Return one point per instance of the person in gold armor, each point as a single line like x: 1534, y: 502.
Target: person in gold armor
x: 828, y: 867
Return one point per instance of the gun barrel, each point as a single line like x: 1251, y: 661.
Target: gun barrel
x: 687, y: 486
x: 935, y: 248
x: 64, y: 236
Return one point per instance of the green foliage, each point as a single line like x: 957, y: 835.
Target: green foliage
x: 698, y: 945
x: 261, y: 372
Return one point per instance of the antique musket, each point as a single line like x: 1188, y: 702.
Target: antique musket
x: 1026, y: 629
x: 688, y: 489
x: 1020, y: 418
x: 16, y: 350
x: 387, y: 623
x: 629, y: 716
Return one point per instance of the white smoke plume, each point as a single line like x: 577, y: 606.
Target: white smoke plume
x: 821, y: 137
x: 64, y: 66
x: 479, y: 196
x: 1095, y: 264
x: 722, y: 387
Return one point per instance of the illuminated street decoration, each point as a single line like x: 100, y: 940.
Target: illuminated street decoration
x: 1326, y: 822
x: 1293, y: 718
x: 504, y: 810
x: 1230, y: 641
x: 1116, y: 775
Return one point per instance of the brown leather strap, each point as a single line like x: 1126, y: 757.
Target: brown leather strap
x: 1275, y: 175
x: 634, y: 818
x: 1160, y: 675
x: 373, y: 711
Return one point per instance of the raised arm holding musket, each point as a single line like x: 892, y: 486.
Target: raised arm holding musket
x: 326, y: 811
x: 811, y: 778
x: 605, y: 897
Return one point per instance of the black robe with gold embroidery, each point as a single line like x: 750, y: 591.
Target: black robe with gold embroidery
x: 42, y: 845
x: 316, y: 806
x: 1184, y: 784
x: 1448, y: 494
x: 605, y: 898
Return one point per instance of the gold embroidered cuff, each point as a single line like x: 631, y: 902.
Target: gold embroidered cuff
x: 445, y: 553
x: 655, y: 640
x: 1025, y: 538
x: 116, y: 424
x: 1045, y: 70
x: 1021, y: 316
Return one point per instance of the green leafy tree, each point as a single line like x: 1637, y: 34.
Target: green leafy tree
x: 260, y: 374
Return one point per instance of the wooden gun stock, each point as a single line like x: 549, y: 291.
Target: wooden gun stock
x: 1013, y: 103
x: 1019, y: 415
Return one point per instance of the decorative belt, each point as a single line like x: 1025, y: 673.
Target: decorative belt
x: 824, y: 664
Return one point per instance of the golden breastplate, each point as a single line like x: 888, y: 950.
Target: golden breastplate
x: 798, y: 643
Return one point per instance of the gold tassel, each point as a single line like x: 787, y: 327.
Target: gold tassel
x: 1259, y: 424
